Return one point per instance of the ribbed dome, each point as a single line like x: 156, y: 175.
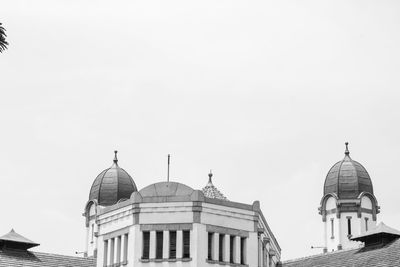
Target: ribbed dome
x: 211, y: 191
x: 112, y: 185
x: 347, y: 179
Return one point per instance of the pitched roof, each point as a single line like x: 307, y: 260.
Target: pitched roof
x: 17, y: 240
x: 21, y: 258
x: 381, y: 228
x: 385, y: 256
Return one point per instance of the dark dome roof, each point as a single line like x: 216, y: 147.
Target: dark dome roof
x: 347, y: 179
x: 112, y: 185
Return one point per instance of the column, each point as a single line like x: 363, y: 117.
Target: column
x: 325, y: 249
x: 179, y: 244
x: 118, y: 250
x: 215, y: 247
x: 237, y: 250
x: 105, y: 253
x: 123, y: 251
x: 166, y: 245
x: 152, y: 244
x: 226, y: 248
x: 110, y: 251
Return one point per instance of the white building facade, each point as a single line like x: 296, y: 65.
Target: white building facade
x: 171, y: 224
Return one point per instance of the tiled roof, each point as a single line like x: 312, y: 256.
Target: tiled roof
x: 20, y: 258
x: 384, y: 256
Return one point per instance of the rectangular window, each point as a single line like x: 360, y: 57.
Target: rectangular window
x: 349, y: 226
x: 332, y: 230
x: 210, y: 246
x: 242, y: 250
x: 366, y: 224
x: 221, y: 247
x: 105, y: 253
x: 159, y: 244
x: 146, y: 245
x: 125, y: 256
x: 172, y: 244
x: 231, y: 248
x: 186, y: 244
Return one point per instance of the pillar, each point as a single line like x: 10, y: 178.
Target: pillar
x: 226, y: 248
x: 236, y: 253
x: 179, y: 244
x: 166, y: 245
x: 152, y: 254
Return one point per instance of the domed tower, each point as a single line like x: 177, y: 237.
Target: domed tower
x: 111, y: 186
x: 348, y: 206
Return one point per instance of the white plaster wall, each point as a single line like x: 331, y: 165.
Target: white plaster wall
x: 332, y: 244
x: 355, y: 229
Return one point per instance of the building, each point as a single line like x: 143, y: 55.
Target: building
x: 349, y: 214
x: 169, y: 224
x: 173, y: 224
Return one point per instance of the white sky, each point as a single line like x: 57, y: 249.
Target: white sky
x: 264, y: 93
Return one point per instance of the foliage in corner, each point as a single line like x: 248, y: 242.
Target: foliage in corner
x: 3, y: 42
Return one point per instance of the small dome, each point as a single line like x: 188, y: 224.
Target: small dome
x: 112, y: 185
x: 347, y: 179
x: 211, y: 191
x: 166, y: 189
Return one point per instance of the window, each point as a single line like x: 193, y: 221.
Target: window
x: 221, y: 247
x: 242, y: 250
x: 186, y: 244
x: 125, y: 256
x: 146, y: 245
x: 105, y: 253
x: 231, y: 248
x: 366, y: 224
x: 349, y: 226
x: 159, y: 244
x: 210, y: 246
x: 172, y: 244
x: 332, y: 230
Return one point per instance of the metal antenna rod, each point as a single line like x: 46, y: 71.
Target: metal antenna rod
x: 168, y: 168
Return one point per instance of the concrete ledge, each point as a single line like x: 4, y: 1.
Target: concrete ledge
x: 226, y: 263
x: 165, y: 260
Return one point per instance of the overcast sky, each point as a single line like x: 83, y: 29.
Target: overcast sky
x: 263, y: 93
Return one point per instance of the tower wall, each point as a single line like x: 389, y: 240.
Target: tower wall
x: 341, y: 225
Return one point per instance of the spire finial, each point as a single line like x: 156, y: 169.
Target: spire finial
x: 347, y: 152
x: 210, y: 176
x: 169, y: 158
x: 115, y: 157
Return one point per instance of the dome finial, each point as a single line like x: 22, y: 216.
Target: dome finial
x: 115, y: 157
x: 347, y: 152
x: 210, y: 176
